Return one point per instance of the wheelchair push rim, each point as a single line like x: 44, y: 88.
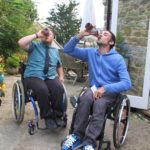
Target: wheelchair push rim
x: 121, y: 122
x: 18, y: 102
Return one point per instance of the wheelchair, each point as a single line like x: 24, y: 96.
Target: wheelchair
x: 22, y: 96
x: 119, y: 113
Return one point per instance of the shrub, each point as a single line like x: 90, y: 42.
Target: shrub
x: 1, y: 68
x: 12, y: 61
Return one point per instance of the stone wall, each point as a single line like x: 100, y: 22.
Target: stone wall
x: 133, y: 22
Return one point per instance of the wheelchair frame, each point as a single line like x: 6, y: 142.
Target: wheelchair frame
x: 21, y: 97
x: 119, y: 113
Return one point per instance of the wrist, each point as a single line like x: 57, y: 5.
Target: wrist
x: 80, y: 36
x: 103, y: 89
x: 36, y: 35
x: 61, y: 76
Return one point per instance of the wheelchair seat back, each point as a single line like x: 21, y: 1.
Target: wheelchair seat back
x: 22, y: 70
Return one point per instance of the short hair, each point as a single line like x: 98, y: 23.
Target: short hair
x: 49, y: 29
x: 113, y: 38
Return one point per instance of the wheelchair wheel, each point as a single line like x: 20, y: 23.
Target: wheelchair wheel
x: 121, y: 122
x: 65, y: 100
x: 65, y: 105
x: 18, y: 101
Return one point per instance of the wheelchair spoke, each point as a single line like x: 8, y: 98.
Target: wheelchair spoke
x: 120, y: 131
x: 18, y: 101
x: 121, y: 122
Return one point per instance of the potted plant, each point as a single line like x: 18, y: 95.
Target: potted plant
x: 12, y: 64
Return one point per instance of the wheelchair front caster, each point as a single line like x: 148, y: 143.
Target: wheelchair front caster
x: 31, y: 128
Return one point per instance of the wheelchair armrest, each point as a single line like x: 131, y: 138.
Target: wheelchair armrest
x: 75, y: 99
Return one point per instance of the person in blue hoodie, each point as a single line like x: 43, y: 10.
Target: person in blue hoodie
x: 108, y: 76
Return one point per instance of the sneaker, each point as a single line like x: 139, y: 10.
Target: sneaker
x: 88, y: 147
x: 50, y: 123
x: 71, y: 142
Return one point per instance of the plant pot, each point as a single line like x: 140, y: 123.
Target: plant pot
x: 12, y: 71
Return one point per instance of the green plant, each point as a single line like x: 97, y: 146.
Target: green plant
x: 120, y: 44
x: 16, y: 17
x: 119, y: 40
x: 1, y: 68
x: 12, y: 61
x: 64, y: 17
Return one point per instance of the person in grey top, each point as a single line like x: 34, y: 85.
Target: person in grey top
x: 44, y: 75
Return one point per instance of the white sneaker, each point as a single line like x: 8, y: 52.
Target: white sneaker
x: 88, y: 147
x: 71, y: 142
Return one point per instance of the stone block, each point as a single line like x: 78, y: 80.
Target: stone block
x: 127, y: 31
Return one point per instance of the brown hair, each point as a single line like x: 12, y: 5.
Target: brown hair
x: 113, y: 38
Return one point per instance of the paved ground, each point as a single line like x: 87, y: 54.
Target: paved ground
x: 14, y: 137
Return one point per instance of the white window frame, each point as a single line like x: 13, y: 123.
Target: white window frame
x: 136, y: 101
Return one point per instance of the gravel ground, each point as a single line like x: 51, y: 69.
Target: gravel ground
x: 14, y: 137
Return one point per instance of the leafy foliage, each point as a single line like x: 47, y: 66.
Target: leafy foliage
x: 1, y: 67
x: 119, y: 41
x: 12, y: 61
x: 63, y: 21
x: 121, y: 45
x: 119, y: 38
x: 16, y: 17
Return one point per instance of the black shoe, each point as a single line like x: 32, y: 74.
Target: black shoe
x: 50, y: 123
x: 59, y: 122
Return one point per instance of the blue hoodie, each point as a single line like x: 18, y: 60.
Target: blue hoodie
x: 107, y: 70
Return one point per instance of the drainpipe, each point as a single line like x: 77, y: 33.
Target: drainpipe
x: 108, y: 14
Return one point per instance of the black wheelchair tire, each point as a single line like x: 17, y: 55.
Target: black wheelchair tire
x: 120, y: 142
x: 31, y: 130
x: 18, y: 93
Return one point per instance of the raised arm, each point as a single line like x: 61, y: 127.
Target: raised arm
x: 71, y: 49
x: 24, y: 42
